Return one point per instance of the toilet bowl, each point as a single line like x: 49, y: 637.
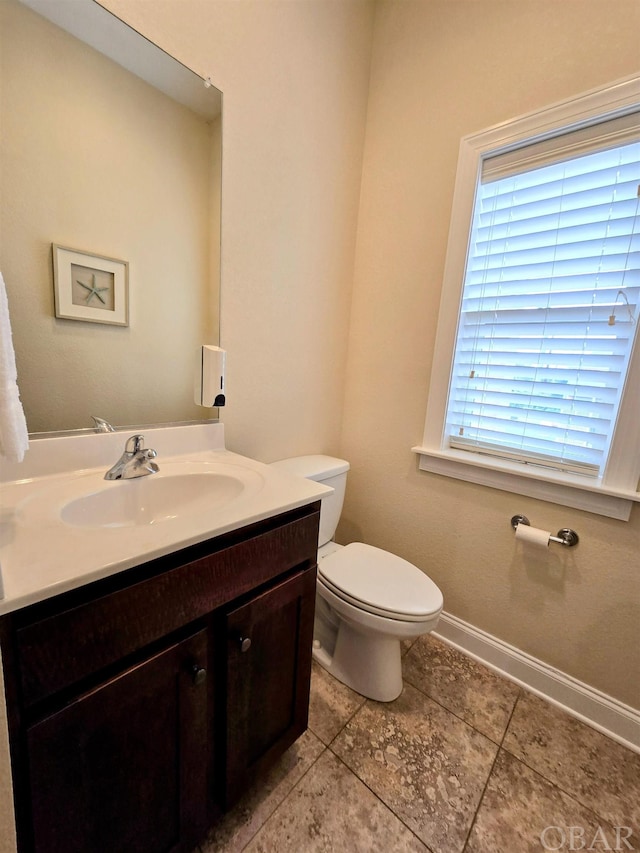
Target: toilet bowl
x: 368, y: 600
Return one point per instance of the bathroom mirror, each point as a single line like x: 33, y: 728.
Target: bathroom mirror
x: 117, y: 159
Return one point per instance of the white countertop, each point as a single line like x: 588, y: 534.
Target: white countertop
x: 41, y: 555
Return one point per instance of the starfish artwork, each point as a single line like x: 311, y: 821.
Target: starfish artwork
x: 93, y: 290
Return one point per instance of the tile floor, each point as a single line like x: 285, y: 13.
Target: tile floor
x: 462, y: 762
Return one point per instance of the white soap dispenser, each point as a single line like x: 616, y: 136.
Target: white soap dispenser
x: 209, y: 382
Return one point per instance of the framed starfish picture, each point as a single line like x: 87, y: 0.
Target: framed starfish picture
x: 90, y: 287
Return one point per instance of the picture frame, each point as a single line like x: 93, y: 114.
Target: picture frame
x: 90, y: 287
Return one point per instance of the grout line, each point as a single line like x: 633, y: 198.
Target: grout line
x: 351, y: 716
x: 286, y: 796
x: 340, y: 730
x: 346, y: 723
x: 325, y: 748
x: 462, y: 719
x: 498, y: 746
x: 490, y: 774
x: 498, y: 675
x: 573, y: 795
x: 380, y: 800
x: 405, y: 652
x: 513, y: 710
x: 491, y: 740
x: 591, y: 706
x: 259, y: 784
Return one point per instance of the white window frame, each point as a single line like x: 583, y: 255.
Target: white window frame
x: 611, y: 494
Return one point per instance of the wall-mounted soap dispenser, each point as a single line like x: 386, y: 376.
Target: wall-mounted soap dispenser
x: 209, y: 381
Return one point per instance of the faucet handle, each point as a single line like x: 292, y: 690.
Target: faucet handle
x: 134, y: 444
x: 134, y: 462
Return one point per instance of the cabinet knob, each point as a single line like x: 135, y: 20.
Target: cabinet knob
x: 198, y: 674
x: 244, y: 643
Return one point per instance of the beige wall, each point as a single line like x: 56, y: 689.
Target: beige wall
x: 442, y: 69
x: 82, y: 167
x: 295, y: 95
x: 294, y: 77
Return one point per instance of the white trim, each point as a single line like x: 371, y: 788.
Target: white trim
x: 612, y: 100
x: 594, y: 137
x: 545, y: 484
x: 609, y: 716
x: 614, y: 493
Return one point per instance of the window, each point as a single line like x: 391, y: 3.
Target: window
x: 549, y: 302
x: 540, y: 308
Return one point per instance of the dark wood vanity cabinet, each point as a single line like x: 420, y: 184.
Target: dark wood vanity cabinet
x: 141, y: 706
x: 123, y: 766
x: 267, y: 697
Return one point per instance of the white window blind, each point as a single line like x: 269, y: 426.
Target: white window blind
x: 549, y: 309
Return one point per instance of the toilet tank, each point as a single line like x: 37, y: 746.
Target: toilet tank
x: 329, y: 471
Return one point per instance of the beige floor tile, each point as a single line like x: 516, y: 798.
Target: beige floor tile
x: 331, y: 705
x: 523, y: 812
x: 473, y: 692
x: 238, y: 826
x: 405, y: 645
x: 331, y: 811
x: 427, y: 765
x: 414, y: 765
x: 589, y: 766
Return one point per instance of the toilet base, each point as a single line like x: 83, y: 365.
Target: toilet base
x: 370, y: 665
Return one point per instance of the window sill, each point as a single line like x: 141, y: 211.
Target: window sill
x: 553, y: 486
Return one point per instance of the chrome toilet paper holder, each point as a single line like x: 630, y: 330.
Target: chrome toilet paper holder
x: 565, y: 536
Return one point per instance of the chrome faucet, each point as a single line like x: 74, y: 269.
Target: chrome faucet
x: 134, y: 462
x: 100, y: 425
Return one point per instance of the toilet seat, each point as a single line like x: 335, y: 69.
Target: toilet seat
x: 381, y: 583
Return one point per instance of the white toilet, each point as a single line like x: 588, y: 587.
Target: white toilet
x: 367, y: 601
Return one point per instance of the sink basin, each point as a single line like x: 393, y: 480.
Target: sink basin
x: 151, y: 500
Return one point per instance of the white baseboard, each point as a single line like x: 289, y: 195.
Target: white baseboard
x: 602, y: 712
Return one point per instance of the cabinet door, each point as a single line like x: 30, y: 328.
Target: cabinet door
x: 123, y: 768
x: 268, y: 674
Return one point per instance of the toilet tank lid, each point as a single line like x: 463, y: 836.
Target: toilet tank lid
x: 316, y: 467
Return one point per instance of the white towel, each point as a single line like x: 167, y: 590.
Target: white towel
x: 14, y: 438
